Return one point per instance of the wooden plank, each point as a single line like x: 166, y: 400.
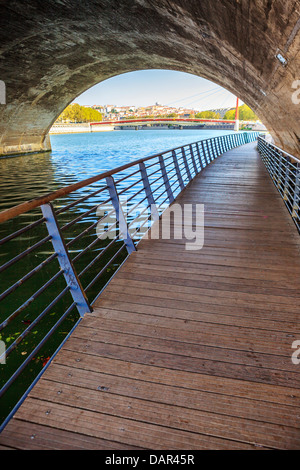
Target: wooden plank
x: 179, y: 362
x: 130, y: 432
x: 173, y: 416
x: 225, y: 261
x: 276, y: 295
x: 219, y: 337
x: 181, y: 329
x: 27, y: 435
x: 241, y: 251
x: 167, y: 274
x: 156, y: 374
x: 194, y: 290
x: 247, y: 311
x: 119, y: 304
x: 136, y: 386
x: 226, y: 274
x: 221, y: 298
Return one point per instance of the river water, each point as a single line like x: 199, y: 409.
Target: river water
x: 74, y: 157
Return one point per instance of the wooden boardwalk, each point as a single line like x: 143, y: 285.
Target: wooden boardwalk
x: 186, y: 349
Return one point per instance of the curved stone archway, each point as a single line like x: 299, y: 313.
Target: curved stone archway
x: 52, y: 51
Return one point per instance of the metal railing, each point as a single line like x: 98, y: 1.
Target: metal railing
x: 67, y: 248
x: 284, y: 170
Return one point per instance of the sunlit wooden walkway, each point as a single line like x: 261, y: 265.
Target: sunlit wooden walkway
x: 186, y: 349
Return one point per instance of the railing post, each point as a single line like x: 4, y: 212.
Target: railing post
x: 193, y: 160
x: 72, y: 280
x: 214, y: 146
x: 296, y: 197
x: 217, y: 145
x: 228, y: 142
x: 199, y: 156
x: 186, y: 164
x: 221, y: 145
x: 224, y: 141
x: 204, y: 153
x: 179, y: 177
x: 286, y: 180
x: 212, y: 150
x: 279, y: 171
x: 130, y: 246
x: 166, y: 179
x: 148, y: 192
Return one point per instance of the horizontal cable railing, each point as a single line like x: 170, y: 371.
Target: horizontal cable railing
x: 284, y: 170
x: 67, y: 246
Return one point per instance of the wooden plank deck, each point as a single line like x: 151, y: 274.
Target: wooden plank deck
x: 186, y: 349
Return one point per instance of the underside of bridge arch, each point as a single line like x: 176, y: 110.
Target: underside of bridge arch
x: 53, y: 50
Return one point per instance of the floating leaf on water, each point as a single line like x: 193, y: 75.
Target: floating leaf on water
x: 46, y: 360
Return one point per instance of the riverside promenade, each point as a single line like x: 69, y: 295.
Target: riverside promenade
x: 186, y: 349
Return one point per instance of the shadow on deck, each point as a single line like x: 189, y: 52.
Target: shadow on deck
x: 186, y: 349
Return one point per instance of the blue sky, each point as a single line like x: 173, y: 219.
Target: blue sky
x: 146, y: 87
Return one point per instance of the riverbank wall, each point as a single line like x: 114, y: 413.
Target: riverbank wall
x: 79, y: 128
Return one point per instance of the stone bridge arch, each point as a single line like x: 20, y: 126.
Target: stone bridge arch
x: 53, y: 50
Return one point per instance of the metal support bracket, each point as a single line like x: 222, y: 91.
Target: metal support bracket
x: 296, y: 197
x: 179, y: 177
x: 199, y: 156
x: 72, y: 280
x: 130, y: 246
x: 166, y: 179
x: 186, y: 164
x: 204, y: 153
x: 148, y: 192
x: 193, y: 160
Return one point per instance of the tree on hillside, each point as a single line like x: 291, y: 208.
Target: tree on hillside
x: 207, y: 115
x: 245, y: 114
x: 76, y: 113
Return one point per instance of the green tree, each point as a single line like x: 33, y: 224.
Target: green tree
x: 207, y: 115
x: 76, y: 113
x: 230, y: 115
x: 245, y: 114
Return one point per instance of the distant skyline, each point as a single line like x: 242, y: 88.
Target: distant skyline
x: 166, y: 87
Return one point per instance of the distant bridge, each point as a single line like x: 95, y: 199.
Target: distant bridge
x: 184, y: 121
x: 149, y: 122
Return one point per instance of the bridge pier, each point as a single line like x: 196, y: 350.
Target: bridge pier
x: 23, y: 144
